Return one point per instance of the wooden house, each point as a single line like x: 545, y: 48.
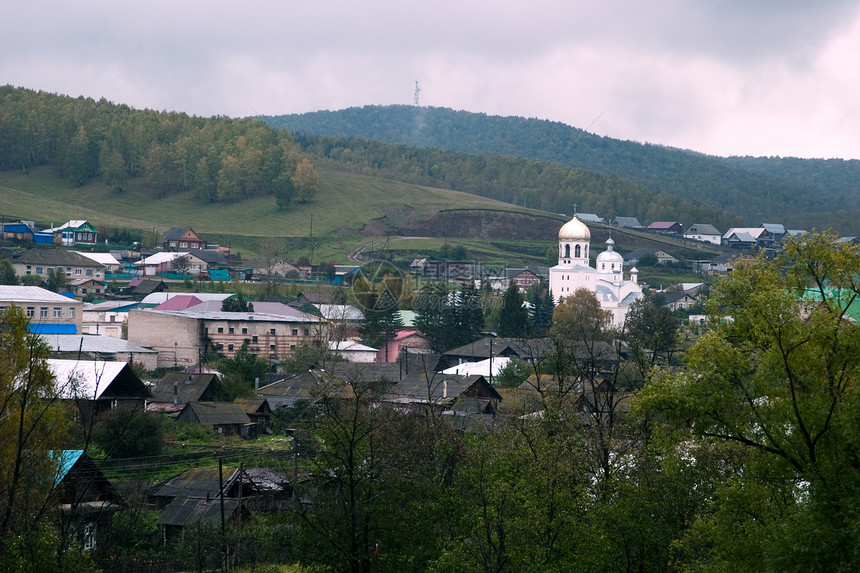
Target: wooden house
x: 225, y: 418
x: 87, y: 500
x: 97, y: 386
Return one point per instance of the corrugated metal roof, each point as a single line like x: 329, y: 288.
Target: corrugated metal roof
x: 183, y: 511
x: 23, y: 294
x: 84, y: 378
x: 218, y: 413
x: 197, y: 483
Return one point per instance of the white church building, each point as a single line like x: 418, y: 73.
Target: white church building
x: 573, y: 272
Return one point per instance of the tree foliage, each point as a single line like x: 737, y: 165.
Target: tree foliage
x: 33, y: 423
x: 129, y: 433
x: 775, y: 383
x: 217, y: 158
x: 449, y: 319
x: 513, y: 318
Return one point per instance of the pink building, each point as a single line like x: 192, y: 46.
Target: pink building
x: 407, y: 338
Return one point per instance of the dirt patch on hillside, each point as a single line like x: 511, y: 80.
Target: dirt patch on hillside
x: 472, y: 223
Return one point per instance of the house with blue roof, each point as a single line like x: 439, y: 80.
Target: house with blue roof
x: 87, y: 500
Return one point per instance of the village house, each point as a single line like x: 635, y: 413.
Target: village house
x: 666, y: 227
x: 259, y: 412
x: 42, y: 262
x: 161, y: 262
x: 181, y: 239
x: 140, y: 288
x: 531, y: 350
x: 634, y: 257
x: 628, y: 223
x: 704, y: 232
x: 225, y: 418
x: 97, y: 386
x: 523, y: 277
x: 86, y: 286
x: 677, y: 300
x: 748, y: 237
x: 110, y: 262
x: 590, y: 218
x: 423, y: 391
x: 352, y: 351
x: 193, y: 333
x: 194, y: 497
x: 49, y: 312
x: 180, y: 388
x: 405, y: 340
x: 75, y: 232
x: 88, y: 500
x: 19, y: 230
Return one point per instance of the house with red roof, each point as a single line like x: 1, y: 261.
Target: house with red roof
x: 667, y: 227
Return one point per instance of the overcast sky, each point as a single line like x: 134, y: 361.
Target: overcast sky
x: 725, y: 77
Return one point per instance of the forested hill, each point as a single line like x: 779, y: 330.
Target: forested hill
x: 217, y: 159
x: 534, y: 184
x: 800, y: 193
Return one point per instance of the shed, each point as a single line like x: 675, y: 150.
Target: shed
x: 225, y: 418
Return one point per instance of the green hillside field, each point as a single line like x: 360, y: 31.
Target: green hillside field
x: 344, y: 203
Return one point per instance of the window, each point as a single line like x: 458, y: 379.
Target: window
x: 295, y: 332
x: 577, y: 251
x: 244, y: 331
x: 220, y: 330
x: 567, y: 251
x: 272, y: 347
x: 31, y: 311
x: 49, y: 270
x: 307, y: 332
x: 43, y: 312
x: 230, y: 330
x: 89, y: 536
x: 183, y: 245
x: 79, y: 271
x: 58, y: 312
x: 254, y: 339
x: 292, y: 346
x: 89, y: 272
x: 272, y: 331
x: 230, y: 347
x: 71, y: 312
x: 38, y: 270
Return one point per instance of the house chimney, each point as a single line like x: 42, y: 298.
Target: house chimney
x: 175, y: 393
x: 257, y: 384
x: 444, y: 389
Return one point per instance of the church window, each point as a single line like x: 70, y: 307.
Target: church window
x: 602, y: 266
x: 576, y: 251
x: 567, y: 251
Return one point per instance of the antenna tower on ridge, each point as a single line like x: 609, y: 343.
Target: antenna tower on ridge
x: 417, y: 91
